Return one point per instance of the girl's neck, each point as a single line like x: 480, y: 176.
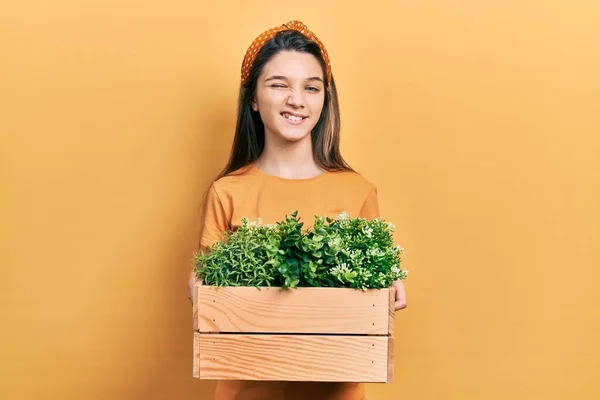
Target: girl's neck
x: 291, y: 160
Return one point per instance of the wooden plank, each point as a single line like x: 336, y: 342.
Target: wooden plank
x: 392, y: 312
x: 196, y: 360
x: 322, y: 358
x: 195, y: 306
x: 302, y: 310
x: 390, y: 362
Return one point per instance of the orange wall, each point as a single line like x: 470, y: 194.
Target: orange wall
x: 479, y: 121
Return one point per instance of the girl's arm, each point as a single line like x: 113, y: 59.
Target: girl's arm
x: 214, y: 222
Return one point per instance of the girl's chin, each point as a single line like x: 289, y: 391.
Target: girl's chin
x: 291, y: 135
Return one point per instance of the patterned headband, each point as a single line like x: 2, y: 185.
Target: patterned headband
x: 270, y: 34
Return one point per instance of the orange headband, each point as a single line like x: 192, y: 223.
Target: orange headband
x: 268, y: 35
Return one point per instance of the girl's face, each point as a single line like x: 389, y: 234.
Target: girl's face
x: 289, y: 96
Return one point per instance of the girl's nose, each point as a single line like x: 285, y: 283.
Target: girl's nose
x: 296, y: 99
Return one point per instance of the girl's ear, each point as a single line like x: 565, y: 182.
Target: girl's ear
x: 254, y: 105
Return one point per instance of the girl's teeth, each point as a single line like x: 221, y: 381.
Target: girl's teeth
x: 293, y: 117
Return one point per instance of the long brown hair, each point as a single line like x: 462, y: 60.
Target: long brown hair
x: 249, y: 140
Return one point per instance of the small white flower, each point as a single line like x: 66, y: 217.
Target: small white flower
x: 395, y: 270
x: 368, y: 231
x: 376, y: 252
x: 339, y: 269
x: 255, y: 223
x: 391, y: 227
x: 343, y: 216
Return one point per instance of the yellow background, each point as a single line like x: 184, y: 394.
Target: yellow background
x: 478, y: 120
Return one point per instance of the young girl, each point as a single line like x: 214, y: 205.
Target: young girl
x: 286, y: 157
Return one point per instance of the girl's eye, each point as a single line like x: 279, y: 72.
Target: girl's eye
x: 277, y: 85
x: 313, y: 89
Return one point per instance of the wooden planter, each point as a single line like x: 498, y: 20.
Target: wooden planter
x: 303, y: 334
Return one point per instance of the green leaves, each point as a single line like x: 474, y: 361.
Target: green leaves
x: 343, y: 252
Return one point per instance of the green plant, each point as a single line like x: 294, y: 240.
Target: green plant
x: 342, y: 252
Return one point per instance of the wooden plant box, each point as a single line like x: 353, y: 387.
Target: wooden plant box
x: 303, y: 334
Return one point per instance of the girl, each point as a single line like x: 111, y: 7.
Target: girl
x: 286, y: 157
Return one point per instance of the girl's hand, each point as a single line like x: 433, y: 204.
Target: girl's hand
x: 191, y: 282
x: 400, y: 295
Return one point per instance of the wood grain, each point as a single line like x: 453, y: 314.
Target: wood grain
x: 195, y: 306
x: 390, y: 363
x: 302, y: 310
x: 392, y: 312
x: 324, y: 358
x: 196, y: 360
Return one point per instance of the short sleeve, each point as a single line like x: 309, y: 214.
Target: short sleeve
x: 214, y: 220
x: 370, y: 207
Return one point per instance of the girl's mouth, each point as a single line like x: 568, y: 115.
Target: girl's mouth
x: 293, y: 119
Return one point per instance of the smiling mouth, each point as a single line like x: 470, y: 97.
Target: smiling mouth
x: 292, y: 117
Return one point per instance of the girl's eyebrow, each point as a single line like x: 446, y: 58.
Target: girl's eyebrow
x: 274, y: 77
x: 285, y: 78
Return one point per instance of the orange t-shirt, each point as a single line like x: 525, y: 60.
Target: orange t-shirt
x: 251, y: 193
